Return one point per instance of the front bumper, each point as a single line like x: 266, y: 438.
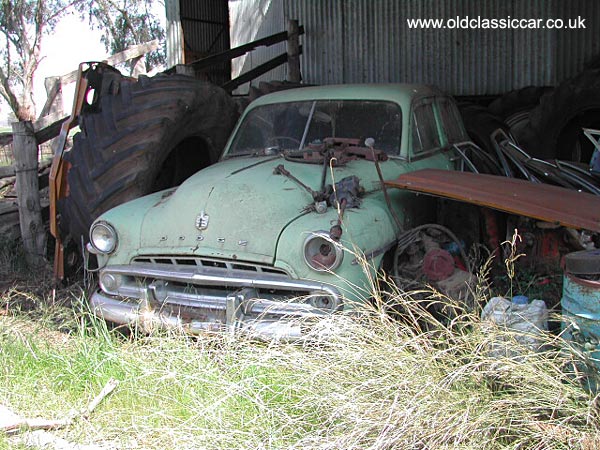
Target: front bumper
x: 197, y: 299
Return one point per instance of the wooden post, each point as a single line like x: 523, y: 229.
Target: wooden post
x: 293, y: 51
x: 25, y: 151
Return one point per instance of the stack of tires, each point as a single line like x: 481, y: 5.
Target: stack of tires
x: 546, y: 122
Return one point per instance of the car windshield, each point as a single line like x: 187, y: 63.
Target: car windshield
x: 269, y: 129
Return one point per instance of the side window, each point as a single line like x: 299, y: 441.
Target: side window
x: 452, y: 122
x: 425, y: 134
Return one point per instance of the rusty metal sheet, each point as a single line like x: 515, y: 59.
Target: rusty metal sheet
x: 539, y: 201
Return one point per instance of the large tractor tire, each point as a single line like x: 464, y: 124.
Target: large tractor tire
x: 555, y: 124
x: 142, y: 136
x: 514, y: 106
x: 480, y: 123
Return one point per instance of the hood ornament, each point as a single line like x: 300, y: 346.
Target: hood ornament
x: 202, y: 220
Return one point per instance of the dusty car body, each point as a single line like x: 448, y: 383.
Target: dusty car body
x: 277, y: 229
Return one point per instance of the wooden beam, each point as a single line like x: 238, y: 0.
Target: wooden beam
x: 5, y: 139
x: 228, y: 55
x: 7, y: 171
x: 132, y: 52
x: 257, y: 71
x: 45, y: 128
x: 52, y: 88
x: 293, y: 52
x: 129, y: 53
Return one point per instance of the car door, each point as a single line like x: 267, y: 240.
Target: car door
x: 427, y: 139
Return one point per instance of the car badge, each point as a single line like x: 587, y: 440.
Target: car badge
x: 202, y: 221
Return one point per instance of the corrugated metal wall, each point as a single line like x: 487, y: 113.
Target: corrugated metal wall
x: 256, y: 19
x: 206, y: 30
x: 359, y: 41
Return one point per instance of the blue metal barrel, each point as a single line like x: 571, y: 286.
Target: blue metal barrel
x: 581, y: 301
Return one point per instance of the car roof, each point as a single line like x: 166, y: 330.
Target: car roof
x: 397, y: 92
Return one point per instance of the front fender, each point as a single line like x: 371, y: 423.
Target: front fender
x: 366, y: 230
x: 127, y: 220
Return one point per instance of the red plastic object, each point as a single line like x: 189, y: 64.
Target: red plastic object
x: 438, y: 265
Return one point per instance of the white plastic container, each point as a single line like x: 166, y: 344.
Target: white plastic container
x: 528, y: 321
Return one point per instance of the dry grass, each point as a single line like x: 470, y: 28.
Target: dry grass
x: 367, y: 380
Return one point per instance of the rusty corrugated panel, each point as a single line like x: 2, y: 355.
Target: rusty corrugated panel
x: 532, y: 50
x: 539, y: 201
x: 576, y: 48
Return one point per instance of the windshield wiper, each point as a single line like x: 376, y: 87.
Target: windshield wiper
x: 237, y: 155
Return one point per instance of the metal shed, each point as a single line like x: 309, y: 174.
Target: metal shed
x: 357, y: 41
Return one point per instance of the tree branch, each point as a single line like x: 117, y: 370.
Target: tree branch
x: 7, y: 92
x: 15, y: 423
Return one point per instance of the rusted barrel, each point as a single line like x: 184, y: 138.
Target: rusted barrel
x: 581, y: 301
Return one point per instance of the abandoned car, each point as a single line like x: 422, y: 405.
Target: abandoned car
x: 291, y: 222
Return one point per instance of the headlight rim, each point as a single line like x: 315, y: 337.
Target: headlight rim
x: 337, y: 247
x: 112, y: 231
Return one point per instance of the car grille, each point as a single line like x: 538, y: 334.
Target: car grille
x: 208, y: 262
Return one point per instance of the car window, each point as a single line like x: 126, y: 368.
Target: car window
x: 425, y: 134
x: 290, y: 126
x: 452, y: 122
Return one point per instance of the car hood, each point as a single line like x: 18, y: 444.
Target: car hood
x: 233, y: 209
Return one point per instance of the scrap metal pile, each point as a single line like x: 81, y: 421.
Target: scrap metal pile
x: 512, y: 161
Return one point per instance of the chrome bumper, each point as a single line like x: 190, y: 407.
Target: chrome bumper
x: 197, y: 299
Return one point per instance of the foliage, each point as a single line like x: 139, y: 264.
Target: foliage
x: 360, y: 381
x: 25, y: 23
x: 126, y: 22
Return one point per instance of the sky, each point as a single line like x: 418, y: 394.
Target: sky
x: 72, y: 42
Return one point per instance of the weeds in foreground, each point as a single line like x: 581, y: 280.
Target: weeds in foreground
x: 369, y: 379
x: 374, y: 382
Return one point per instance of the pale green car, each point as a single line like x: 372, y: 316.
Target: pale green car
x: 277, y: 229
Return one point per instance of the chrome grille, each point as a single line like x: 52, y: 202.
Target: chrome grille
x: 208, y: 262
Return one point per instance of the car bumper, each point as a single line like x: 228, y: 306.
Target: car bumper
x: 197, y: 300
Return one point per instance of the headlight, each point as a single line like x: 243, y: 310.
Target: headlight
x: 103, y: 238
x: 322, y: 253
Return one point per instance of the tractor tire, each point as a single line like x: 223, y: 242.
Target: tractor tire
x: 515, y: 103
x: 480, y: 123
x: 555, y: 124
x: 142, y: 137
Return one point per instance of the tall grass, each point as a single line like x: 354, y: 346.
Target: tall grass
x: 373, y: 382
x: 391, y: 376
